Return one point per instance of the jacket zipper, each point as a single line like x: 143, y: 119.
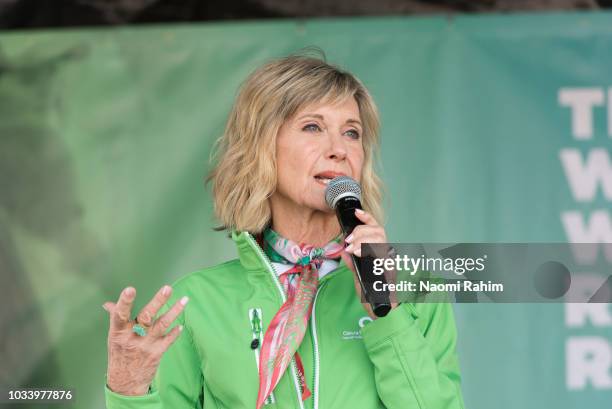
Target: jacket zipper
x: 315, y: 347
x: 281, y: 290
x: 315, y: 352
x: 256, y: 320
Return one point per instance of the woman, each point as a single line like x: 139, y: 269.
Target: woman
x: 282, y: 326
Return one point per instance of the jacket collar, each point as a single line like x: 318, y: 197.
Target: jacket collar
x: 250, y: 254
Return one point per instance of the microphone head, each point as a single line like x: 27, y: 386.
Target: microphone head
x: 340, y: 187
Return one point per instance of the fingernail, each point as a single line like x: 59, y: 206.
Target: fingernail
x: 349, y: 247
x: 180, y: 328
x: 166, y: 290
x: 184, y: 300
x: 349, y: 238
x: 104, y: 307
x: 128, y: 291
x: 359, y: 211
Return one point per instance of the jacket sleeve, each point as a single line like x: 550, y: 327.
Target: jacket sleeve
x: 178, y: 382
x: 414, y: 357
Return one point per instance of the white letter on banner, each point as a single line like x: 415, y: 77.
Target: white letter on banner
x: 577, y: 310
x: 598, y: 230
x: 585, y: 176
x: 610, y: 112
x: 581, y: 101
x: 588, y: 359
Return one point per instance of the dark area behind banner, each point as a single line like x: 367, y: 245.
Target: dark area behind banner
x: 30, y: 14
x: 494, y: 129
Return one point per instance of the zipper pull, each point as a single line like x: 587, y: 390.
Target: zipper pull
x: 257, y: 337
x: 256, y: 330
x: 256, y: 323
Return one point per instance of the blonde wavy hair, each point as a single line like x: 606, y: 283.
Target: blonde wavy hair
x: 245, y: 175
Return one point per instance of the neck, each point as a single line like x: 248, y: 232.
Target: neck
x: 300, y: 225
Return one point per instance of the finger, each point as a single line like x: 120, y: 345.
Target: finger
x: 350, y: 249
x: 163, y: 323
x: 367, y: 240
x: 108, y: 306
x: 120, y: 316
x: 356, y: 246
x: 171, y: 337
x: 148, y: 312
x: 365, y: 217
x: 364, y: 230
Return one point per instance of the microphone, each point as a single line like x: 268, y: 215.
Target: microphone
x: 343, y: 194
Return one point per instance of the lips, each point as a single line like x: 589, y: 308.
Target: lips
x: 325, y: 177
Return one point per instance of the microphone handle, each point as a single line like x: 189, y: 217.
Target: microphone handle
x: 345, y: 211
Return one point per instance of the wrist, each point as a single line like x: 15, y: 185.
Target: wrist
x: 128, y: 390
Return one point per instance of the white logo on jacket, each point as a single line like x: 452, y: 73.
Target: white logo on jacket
x: 346, y: 335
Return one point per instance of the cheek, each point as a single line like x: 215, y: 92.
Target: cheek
x: 357, y: 159
x: 291, y: 169
x: 285, y: 176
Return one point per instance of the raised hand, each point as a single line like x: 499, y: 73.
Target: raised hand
x: 133, y: 359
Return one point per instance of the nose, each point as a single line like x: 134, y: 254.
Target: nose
x: 336, y: 149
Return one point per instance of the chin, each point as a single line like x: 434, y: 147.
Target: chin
x: 321, y: 206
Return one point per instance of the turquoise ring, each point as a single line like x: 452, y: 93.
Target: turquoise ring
x: 139, y: 329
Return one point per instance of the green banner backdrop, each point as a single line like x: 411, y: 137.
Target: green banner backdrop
x: 495, y: 128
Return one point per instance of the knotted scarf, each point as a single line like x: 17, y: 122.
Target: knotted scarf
x: 286, y: 330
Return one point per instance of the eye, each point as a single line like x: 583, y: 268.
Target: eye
x: 311, y: 127
x: 354, y: 133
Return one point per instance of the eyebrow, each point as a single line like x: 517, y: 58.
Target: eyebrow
x: 319, y: 116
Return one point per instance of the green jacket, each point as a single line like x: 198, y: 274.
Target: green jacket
x: 404, y: 360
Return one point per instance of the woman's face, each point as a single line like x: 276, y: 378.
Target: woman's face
x: 318, y: 143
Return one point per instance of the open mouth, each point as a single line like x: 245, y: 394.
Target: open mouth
x: 325, y: 177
